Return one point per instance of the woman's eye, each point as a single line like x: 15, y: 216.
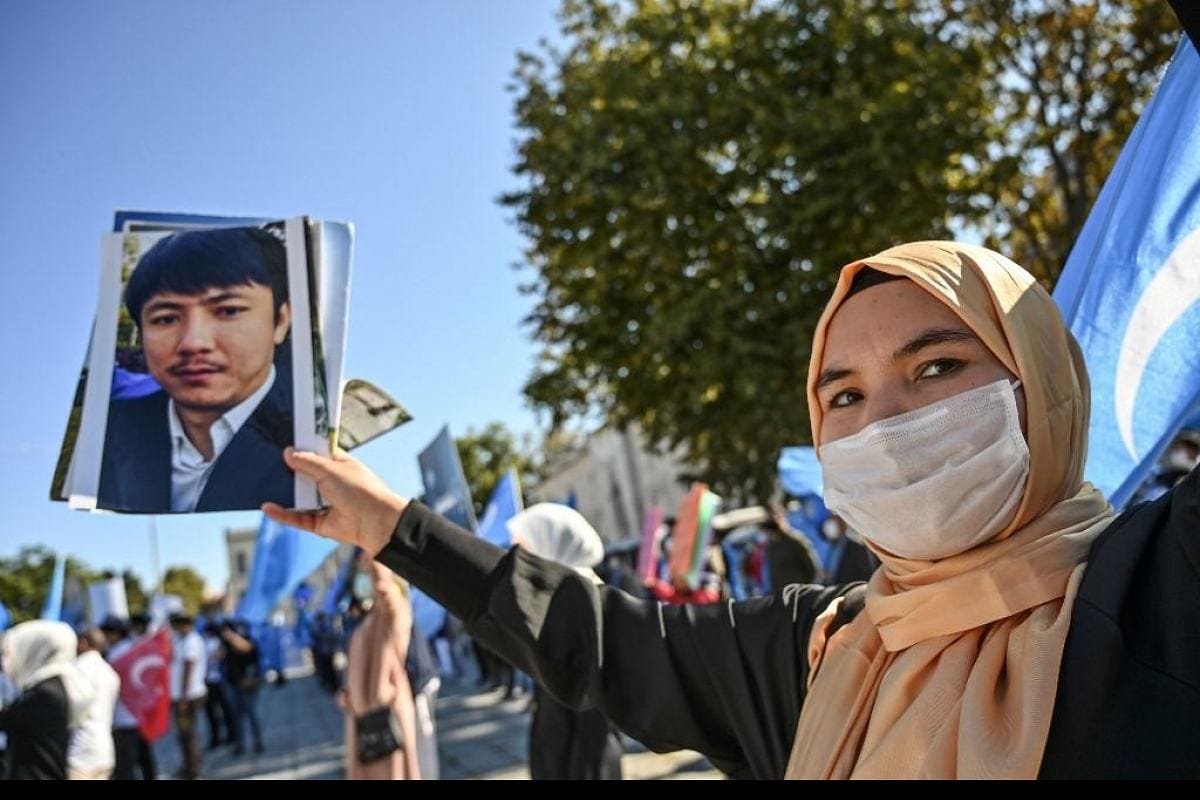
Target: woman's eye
x: 940, y: 367
x: 843, y: 399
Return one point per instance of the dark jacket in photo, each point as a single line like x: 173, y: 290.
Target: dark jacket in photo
x: 135, y: 475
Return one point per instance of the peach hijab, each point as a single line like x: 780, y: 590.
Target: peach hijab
x: 951, y: 671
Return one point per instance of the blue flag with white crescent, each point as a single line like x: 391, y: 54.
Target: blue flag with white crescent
x: 283, y: 557
x: 504, y: 505
x: 1130, y: 291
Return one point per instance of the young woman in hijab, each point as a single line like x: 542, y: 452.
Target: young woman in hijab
x: 565, y: 744
x: 376, y: 679
x: 39, y: 656
x: 1013, y: 629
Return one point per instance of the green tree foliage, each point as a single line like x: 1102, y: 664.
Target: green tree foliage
x: 187, y: 583
x: 135, y: 595
x: 1069, y: 81
x: 127, y: 330
x: 25, y: 582
x: 487, y: 455
x: 696, y: 172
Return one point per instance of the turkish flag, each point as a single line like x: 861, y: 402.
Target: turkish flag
x: 145, y: 683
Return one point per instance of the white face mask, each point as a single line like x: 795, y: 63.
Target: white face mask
x: 934, y: 482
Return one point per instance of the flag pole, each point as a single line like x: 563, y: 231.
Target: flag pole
x: 154, y: 564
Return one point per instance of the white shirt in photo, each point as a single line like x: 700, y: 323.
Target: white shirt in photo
x: 189, y: 470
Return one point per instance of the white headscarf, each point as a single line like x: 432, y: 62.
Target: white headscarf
x: 560, y: 534
x: 39, y: 650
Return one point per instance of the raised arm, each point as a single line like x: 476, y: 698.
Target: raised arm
x: 726, y: 680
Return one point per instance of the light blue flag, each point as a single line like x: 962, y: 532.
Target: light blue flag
x: 504, y: 505
x: 428, y: 615
x: 800, y: 475
x: 283, y: 557
x: 733, y: 569
x: 800, y: 472
x: 1130, y: 288
x: 277, y: 647
x: 5, y: 618
x: 52, y: 609
x: 447, y: 493
x: 446, y: 490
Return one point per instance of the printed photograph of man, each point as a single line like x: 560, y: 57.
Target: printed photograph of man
x: 206, y: 424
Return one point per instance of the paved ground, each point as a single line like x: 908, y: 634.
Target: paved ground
x: 480, y: 736
x: 483, y: 736
x: 302, y: 730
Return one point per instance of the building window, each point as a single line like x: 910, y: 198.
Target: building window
x: 241, y: 563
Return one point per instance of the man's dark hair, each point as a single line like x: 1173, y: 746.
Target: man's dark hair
x: 181, y: 618
x: 194, y: 261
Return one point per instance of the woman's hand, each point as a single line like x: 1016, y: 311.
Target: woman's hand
x: 362, y: 510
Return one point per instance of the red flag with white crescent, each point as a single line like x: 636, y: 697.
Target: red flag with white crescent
x: 145, y: 683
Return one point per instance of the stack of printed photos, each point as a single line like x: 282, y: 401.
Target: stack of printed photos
x: 216, y: 343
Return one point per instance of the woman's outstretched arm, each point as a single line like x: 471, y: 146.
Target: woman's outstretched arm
x: 727, y: 679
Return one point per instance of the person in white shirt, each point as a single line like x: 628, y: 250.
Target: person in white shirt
x: 90, y: 752
x: 188, y: 661
x: 133, y: 752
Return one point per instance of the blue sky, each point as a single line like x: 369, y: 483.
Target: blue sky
x: 393, y: 115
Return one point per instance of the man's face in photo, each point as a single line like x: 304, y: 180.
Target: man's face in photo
x: 210, y: 351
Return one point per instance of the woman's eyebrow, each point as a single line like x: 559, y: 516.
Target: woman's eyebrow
x: 926, y: 338
x: 931, y: 337
x: 832, y: 374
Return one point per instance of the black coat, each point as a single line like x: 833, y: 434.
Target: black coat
x: 570, y: 745
x: 36, y: 725
x: 728, y: 679
x: 135, y: 475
